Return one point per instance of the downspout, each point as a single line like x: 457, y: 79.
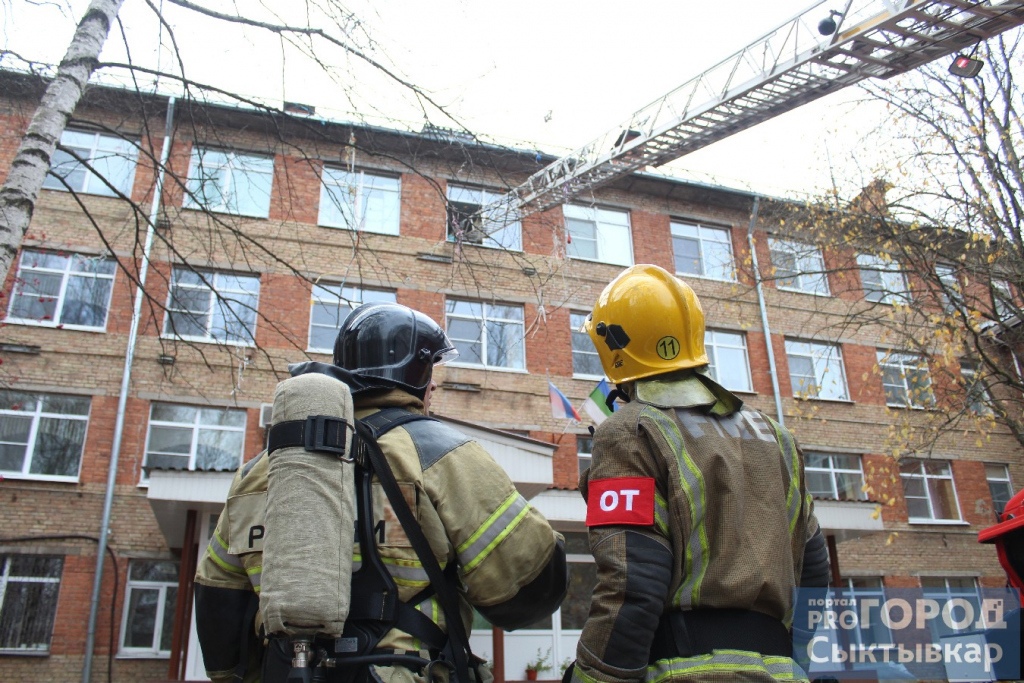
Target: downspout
x: 122, y: 401
x: 764, y: 313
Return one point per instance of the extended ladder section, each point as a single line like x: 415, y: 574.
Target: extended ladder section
x: 791, y: 66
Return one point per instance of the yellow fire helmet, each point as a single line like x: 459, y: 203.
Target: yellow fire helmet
x: 647, y: 322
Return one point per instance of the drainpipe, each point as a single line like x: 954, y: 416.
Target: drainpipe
x: 115, y: 451
x: 764, y: 313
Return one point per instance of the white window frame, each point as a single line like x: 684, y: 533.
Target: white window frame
x: 998, y: 473
x: 576, y: 320
x: 220, y: 296
x: 486, y: 318
x: 829, y: 370
x: 895, y: 361
x: 719, y: 342
x: 197, y: 426
x: 360, y: 200
x: 808, y: 273
x: 832, y: 470
x: 27, y: 274
x: 882, y: 280
x: 976, y: 396
x: 1002, y: 300
x: 36, y: 415
x: 952, y: 300
x: 227, y: 170
x: 584, y: 458
x: 612, y: 234
x: 877, y: 624
x: 154, y: 651
x: 492, y: 229
x: 6, y: 579
x: 926, y: 478
x: 711, y: 241
x: 101, y: 151
x: 341, y: 299
x: 943, y: 594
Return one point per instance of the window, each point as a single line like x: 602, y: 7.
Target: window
x: 798, y: 267
x: 151, y: 594
x: 727, y: 352
x: 882, y: 280
x: 330, y: 307
x: 585, y: 360
x: 112, y: 158
x: 870, y: 630
x: 584, y: 451
x: 42, y: 435
x: 359, y: 201
x: 929, y: 491
x: 703, y: 251
x: 978, y: 400
x: 952, y: 297
x: 486, y: 334
x: 229, y: 182
x: 816, y: 370
x: 1002, y: 300
x: 597, y: 234
x: 834, y: 476
x: 55, y: 290
x: 999, y: 485
x: 29, y: 585
x: 493, y: 229
x: 906, y: 380
x: 210, y: 306
x: 945, y: 591
x: 192, y: 438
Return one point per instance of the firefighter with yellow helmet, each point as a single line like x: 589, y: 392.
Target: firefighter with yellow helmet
x: 498, y: 553
x: 699, y: 518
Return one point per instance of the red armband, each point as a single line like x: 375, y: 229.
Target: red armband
x: 621, y: 500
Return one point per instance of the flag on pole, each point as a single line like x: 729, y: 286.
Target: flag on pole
x: 595, y: 405
x: 560, y: 406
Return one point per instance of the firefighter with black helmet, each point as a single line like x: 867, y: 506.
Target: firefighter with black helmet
x: 499, y: 553
x: 699, y: 519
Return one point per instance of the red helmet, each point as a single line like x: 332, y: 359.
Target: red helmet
x: 1008, y: 535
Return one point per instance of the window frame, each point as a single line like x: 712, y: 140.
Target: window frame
x: 347, y: 297
x: 484, y: 320
x: 712, y: 347
x: 833, y: 471
x: 233, y: 162
x: 863, y: 592
x: 886, y: 290
x: 1003, y: 304
x: 701, y: 238
x: 218, y: 296
x: 154, y: 652
x: 6, y: 579
x: 885, y: 363
x: 66, y: 275
x: 977, y: 398
x: 926, y: 477
x: 802, y: 277
x: 576, y: 319
x: 948, y: 277
x: 37, y: 415
x: 124, y: 148
x: 1005, y: 479
x: 366, y: 189
x: 461, y: 201
x: 610, y: 235
x: 832, y: 355
x: 197, y: 427
x: 946, y: 593
x: 582, y: 454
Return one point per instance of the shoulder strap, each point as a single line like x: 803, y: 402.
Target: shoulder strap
x: 386, y: 419
x: 445, y: 593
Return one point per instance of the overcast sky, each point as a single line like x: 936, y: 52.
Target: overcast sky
x: 550, y: 74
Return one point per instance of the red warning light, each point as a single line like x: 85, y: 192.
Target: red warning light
x: 965, y: 67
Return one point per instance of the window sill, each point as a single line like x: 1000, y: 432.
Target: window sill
x: 941, y: 522
x: 597, y: 260
x: 54, y: 326
x: 845, y: 401
x: 588, y: 378
x: 24, y: 653
x: 904, y: 406
x: 143, y: 655
x: 207, y: 340
x: 824, y: 295
x: 729, y: 281
x: 88, y: 193
x: 328, y: 226
x: 484, y: 245
x: 53, y: 479
x: 227, y: 212
x: 493, y: 368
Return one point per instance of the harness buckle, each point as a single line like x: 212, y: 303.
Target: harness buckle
x: 327, y: 434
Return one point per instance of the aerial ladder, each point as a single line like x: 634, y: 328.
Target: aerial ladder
x: 819, y: 51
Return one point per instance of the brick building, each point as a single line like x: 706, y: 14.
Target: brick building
x: 235, y: 293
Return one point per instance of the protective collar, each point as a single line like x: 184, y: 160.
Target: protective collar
x: 688, y: 389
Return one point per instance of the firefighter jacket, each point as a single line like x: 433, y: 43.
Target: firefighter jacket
x: 511, y: 564
x: 726, y: 525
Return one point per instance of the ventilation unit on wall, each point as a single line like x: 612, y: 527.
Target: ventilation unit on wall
x: 266, y: 411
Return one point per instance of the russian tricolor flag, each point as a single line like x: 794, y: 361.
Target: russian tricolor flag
x: 560, y: 406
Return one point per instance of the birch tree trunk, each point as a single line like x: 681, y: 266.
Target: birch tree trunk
x: 28, y: 169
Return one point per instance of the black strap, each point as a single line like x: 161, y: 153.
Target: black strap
x: 247, y: 638
x: 699, y: 631
x: 315, y: 433
x: 459, y: 642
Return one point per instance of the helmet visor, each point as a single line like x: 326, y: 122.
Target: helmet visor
x: 445, y: 356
